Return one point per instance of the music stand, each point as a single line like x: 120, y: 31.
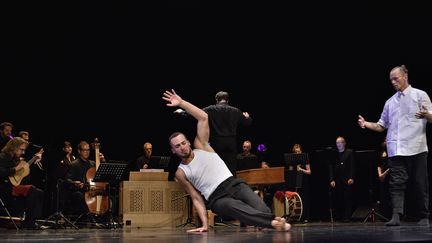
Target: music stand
x: 292, y: 159
x: 370, y: 157
x: 246, y: 163
x: 159, y: 162
x: 111, y: 173
x: 292, y: 178
x: 164, y: 162
x: 189, y: 220
x: 58, y: 215
x: 296, y: 159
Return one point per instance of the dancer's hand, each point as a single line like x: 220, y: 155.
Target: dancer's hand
x: 172, y: 98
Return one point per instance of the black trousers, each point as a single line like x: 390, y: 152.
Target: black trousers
x: 234, y: 198
x: 34, y: 203
x: 78, y: 202
x: 384, y: 197
x: 342, y: 196
x: 415, y: 168
x: 226, y: 148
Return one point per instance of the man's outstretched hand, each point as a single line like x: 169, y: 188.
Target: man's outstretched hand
x: 361, y: 121
x: 172, y: 98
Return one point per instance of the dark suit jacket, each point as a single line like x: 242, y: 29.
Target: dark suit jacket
x: 344, y: 168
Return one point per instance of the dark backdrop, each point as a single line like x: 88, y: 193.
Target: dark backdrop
x: 82, y: 70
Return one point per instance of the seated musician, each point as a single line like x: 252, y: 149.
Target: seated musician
x: 9, y: 164
x: 64, y: 164
x: 37, y: 176
x: 246, y: 159
x: 5, y: 133
x: 76, y: 178
x: 143, y: 162
x: 59, y: 174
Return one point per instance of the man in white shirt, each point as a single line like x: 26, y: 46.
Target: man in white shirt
x: 203, y: 171
x: 405, y: 116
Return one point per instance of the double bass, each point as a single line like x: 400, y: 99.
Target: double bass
x: 96, y: 197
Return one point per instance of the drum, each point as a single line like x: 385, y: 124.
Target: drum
x: 293, y: 202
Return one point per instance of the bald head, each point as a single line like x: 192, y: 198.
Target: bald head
x: 399, y: 78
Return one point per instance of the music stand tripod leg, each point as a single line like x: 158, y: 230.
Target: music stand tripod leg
x: 367, y: 216
x: 372, y: 213
x: 189, y: 218
x: 58, y: 214
x: 381, y: 216
x: 68, y: 221
x: 114, y: 206
x: 111, y: 221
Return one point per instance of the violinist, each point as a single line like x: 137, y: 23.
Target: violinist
x: 76, y: 178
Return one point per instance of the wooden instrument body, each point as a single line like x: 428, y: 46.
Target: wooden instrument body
x: 96, y: 197
x: 19, y: 175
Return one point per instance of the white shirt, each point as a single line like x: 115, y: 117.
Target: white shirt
x: 206, y: 171
x: 406, y: 135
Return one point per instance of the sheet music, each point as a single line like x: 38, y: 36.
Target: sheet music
x: 151, y: 170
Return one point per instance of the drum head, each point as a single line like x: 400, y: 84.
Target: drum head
x: 293, y: 204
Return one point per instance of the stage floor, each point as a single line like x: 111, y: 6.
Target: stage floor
x: 312, y: 232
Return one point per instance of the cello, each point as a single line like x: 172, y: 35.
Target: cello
x: 96, y: 196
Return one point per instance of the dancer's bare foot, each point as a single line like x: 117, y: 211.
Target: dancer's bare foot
x: 280, y: 224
